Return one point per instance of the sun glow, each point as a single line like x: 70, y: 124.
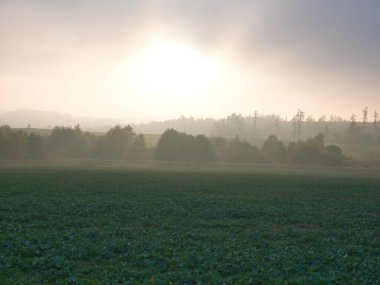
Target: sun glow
x: 172, y: 78
x: 172, y: 69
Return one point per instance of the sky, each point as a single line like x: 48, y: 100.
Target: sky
x: 152, y: 60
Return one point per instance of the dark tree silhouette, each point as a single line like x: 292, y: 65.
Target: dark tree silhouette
x: 375, y: 118
x: 365, y: 116
x: 118, y: 141
x: 307, y: 152
x: 219, y: 145
x: 353, y: 128
x: 241, y: 151
x: 277, y: 123
x: 13, y: 144
x: 333, y: 156
x: 67, y: 142
x: 273, y: 150
x: 5, y: 132
x: 138, y: 148
x: 34, y: 146
x: 255, y: 117
x: 296, y: 122
x: 202, y: 149
x: 175, y: 146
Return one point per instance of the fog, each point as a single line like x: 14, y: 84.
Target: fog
x: 158, y: 60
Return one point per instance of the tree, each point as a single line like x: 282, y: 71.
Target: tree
x: 138, y: 148
x: 273, y: 150
x: 241, y: 151
x: 219, y: 145
x: 277, y: 122
x: 353, y: 128
x: 296, y: 122
x: 326, y: 132
x: 5, y: 132
x: 15, y: 144
x: 202, y: 149
x: 307, y: 152
x: 255, y: 117
x: 174, y: 146
x: 34, y: 146
x: 322, y: 119
x: 333, y: 156
x: 375, y: 118
x: 68, y: 142
x: 237, y: 123
x: 365, y: 116
x: 118, y: 141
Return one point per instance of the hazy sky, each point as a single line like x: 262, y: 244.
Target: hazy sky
x: 160, y: 59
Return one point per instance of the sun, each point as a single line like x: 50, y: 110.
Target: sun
x: 174, y: 69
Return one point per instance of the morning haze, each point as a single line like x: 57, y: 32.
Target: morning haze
x: 189, y: 142
x: 153, y: 60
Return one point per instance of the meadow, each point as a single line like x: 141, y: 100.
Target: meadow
x: 120, y: 225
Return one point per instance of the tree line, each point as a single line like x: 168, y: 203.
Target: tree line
x: 65, y: 142
x: 363, y: 128
x: 179, y: 146
x: 122, y: 143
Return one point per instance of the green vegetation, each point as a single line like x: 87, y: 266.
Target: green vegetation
x: 64, y: 142
x: 175, y: 146
x: 362, y: 152
x: 123, y: 226
x: 122, y: 143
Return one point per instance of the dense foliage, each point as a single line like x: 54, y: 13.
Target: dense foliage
x: 65, y: 142
x: 122, y: 143
x: 175, y: 146
x: 81, y: 226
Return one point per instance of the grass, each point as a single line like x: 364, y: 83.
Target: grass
x: 118, y: 225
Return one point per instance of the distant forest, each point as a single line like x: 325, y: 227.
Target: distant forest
x: 122, y: 143
x: 236, y: 139
x: 363, y: 129
x: 256, y: 128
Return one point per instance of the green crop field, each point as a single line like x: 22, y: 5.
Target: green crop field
x: 144, y: 226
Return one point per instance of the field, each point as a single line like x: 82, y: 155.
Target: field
x: 84, y: 225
